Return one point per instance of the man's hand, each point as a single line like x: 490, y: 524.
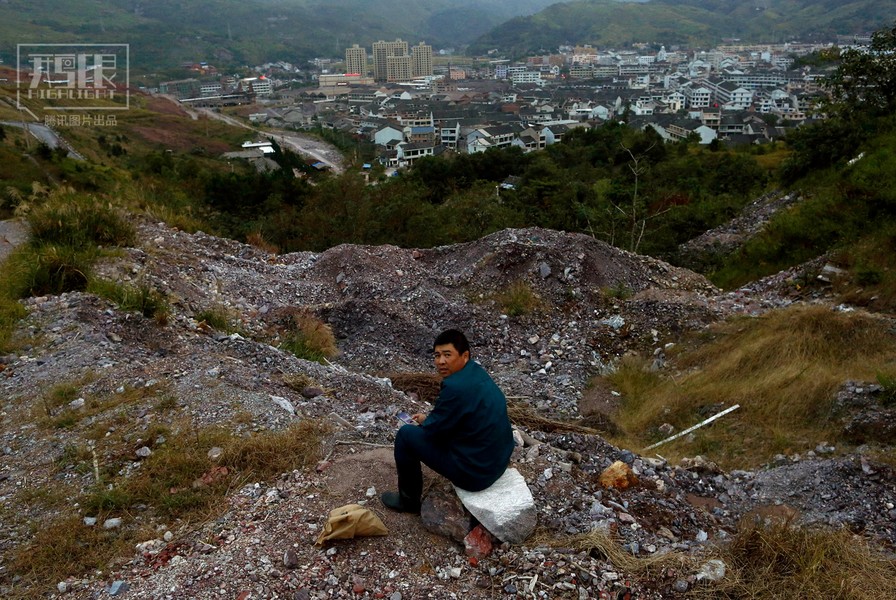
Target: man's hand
x: 419, y: 418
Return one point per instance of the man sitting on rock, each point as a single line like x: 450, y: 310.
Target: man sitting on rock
x: 466, y: 438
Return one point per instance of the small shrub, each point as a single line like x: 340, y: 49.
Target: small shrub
x: 518, y: 299
x: 307, y: 337
x: 869, y: 276
x: 887, y: 383
x: 618, y: 291
x: 297, y: 381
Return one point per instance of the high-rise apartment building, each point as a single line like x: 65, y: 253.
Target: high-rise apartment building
x: 381, y: 51
x: 356, y: 60
x: 421, y: 55
x: 399, y: 68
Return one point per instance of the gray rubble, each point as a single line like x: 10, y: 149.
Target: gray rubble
x: 384, y: 305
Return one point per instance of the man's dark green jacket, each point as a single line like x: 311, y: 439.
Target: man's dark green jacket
x: 470, y: 421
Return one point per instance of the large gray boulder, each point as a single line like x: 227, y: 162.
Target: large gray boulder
x: 506, y: 509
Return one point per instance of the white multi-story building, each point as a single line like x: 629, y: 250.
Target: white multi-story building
x: 210, y: 89
x: 527, y: 77
x: 697, y: 96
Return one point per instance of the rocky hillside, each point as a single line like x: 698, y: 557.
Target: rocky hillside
x: 590, y: 304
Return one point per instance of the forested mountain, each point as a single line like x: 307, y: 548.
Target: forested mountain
x: 690, y: 22
x: 249, y: 31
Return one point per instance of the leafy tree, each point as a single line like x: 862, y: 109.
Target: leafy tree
x: 865, y: 82
x: 820, y: 146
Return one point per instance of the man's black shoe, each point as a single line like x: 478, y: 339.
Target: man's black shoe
x: 399, y: 502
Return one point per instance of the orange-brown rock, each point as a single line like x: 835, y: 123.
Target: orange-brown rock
x: 618, y: 475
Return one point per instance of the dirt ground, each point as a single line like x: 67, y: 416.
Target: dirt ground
x: 353, y: 473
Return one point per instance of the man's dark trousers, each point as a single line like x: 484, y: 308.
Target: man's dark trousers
x: 413, y: 445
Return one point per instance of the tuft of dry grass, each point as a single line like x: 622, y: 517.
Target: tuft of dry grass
x: 425, y: 385
x: 297, y: 381
x: 525, y: 415
x: 257, y: 239
x: 782, y: 368
x: 601, y: 543
x: 306, y: 336
x: 65, y: 546
x: 780, y: 560
x: 762, y: 560
x: 271, y: 453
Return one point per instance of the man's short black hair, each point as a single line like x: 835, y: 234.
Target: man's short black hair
x: 455, y: 337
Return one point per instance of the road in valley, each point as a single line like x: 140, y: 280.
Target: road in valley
x: 303, y: 144
x: 44, y: 134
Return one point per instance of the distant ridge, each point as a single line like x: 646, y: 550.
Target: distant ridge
x: 687, y: 22
x: 164, y: 32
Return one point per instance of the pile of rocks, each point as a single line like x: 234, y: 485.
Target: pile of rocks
x: 385, y: 305
x: 708, y: 247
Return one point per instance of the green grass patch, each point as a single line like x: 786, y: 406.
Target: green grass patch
x: 518, y: 299
x: 870, y: 262
x: 11, y: 312
x: 618, y: 291
x: 68, y: 218
x: 177, y: 482
x: 783, y: 368
x: 67, y: 230
x: 47, y: 269
x: 140, y: 298
x: 220, y: 318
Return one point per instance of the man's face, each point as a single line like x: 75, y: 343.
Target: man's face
x: 448, y: 360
